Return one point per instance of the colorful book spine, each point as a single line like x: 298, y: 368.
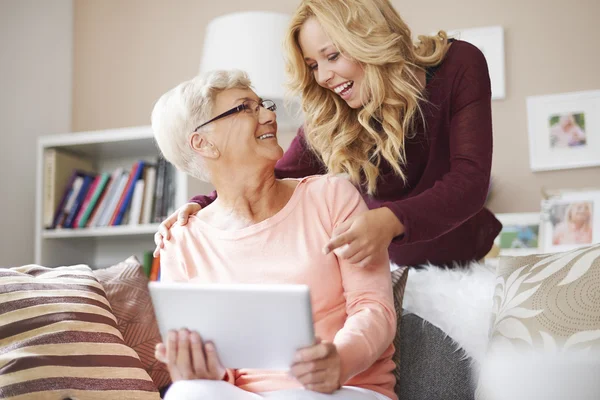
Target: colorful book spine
x: 86, y: 201
x: 87, y: 181
x: 63, y: 201
x: 74, y: 192
x: 106, y: 196
x: 136, y: 173
x: 114, y: 200
x: 95, y: 199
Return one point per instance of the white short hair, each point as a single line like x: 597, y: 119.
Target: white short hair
x: 179, y: 111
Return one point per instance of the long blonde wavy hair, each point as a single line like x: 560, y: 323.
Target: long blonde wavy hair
x: 370, y: 32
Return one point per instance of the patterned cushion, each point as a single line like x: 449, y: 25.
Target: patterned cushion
x: 59, y: 339
x: 126, y: 287
x: 399, y: 278
x: 545, y: 331
x: 548, y: 301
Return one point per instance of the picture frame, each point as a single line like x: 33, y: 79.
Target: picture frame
x: 564, y: 130
x: 490, y: 40
x: 570, y: 220
x: 520, y: 234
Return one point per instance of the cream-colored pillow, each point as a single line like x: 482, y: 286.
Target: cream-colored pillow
x: 549, y: 301
x: 545, y: 331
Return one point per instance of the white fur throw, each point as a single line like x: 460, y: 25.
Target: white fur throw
x: 457, y: 301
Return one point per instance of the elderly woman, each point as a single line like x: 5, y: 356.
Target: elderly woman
x: 264, y: 230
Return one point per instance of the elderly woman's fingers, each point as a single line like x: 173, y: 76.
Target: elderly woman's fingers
x: 172, y: 351
x: 198, y: 359
x: 312, y: 353
x: 313, y: 377
x: 213, y: 364
x: 160, y: 352
x: 299, y: 370
x: 184, y: 357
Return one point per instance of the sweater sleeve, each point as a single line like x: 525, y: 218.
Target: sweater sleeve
x: 371, y: 323
x: 297, y: 162
x: 461, y: 193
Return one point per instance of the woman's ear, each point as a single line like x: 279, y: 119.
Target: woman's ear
x: 203, y: 146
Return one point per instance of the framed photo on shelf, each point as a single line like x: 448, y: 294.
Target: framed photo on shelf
x: 564, y: 130
x: 490, y: 40
x: 519, y: 235
x: 571, y: 220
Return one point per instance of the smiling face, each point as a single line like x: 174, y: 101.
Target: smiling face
x: 331, y: 69
x: 246, y: 137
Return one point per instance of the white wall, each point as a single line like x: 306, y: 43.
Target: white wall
x: 36, y: 69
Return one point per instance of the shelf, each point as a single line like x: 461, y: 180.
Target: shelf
x: 109, y: 144
x: 108, y: 231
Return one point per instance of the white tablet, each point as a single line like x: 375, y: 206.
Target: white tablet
x: 252, y: 326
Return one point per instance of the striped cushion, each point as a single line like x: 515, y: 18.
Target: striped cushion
x: 59, y: 339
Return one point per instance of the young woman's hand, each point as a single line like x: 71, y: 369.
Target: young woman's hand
x: 318, y: 367
x: 188, y: 358
x: 361, y: 239
x: 182, y: 215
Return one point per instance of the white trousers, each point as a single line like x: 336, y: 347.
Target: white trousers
x: 209, y: 390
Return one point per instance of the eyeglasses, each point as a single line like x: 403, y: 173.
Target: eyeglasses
x: 248, y: 106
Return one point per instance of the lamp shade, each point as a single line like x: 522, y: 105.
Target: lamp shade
x: 250, y: 41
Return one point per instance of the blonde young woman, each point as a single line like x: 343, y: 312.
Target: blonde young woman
x: 409, y: 123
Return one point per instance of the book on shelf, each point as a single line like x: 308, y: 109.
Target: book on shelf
x: 58, y: 169
x: 148, y: 202
x: 71, y: 199
x: 125, y: 196
x: 78, y: 202
x: 96, y: 196
x: 102, y: 203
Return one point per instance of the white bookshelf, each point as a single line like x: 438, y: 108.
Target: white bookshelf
x: 105, y: 246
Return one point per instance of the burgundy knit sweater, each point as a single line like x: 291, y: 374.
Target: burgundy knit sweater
x: 448, y: 168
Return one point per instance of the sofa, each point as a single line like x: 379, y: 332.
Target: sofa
x: 104, y: 347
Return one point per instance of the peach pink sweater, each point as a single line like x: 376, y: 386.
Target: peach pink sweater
x: 352, y: 306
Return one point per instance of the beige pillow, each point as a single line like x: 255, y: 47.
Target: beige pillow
x: 59, y: 339
x: 126, y: 288
x: 549, y: 302
x: 545, y: 331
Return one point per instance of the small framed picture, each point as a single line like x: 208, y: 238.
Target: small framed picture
x: 520, y: 234
x: 490, y: 40
x: 564, y: 130
x: 571, y: 220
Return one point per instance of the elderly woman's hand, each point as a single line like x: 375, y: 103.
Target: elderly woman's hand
x: 185, y: 357
x: 182, y: 215
x: 361, y: 239
x: 318, y: 367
